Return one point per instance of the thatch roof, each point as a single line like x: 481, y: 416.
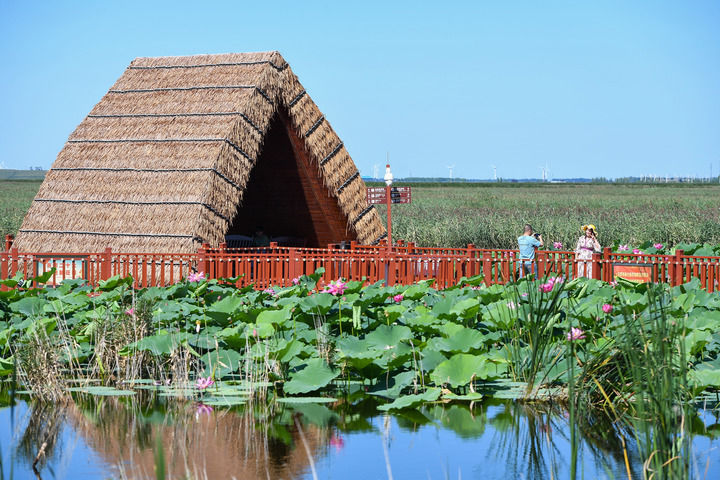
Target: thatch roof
x: 161, y: 163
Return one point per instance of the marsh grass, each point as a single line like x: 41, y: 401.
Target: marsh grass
x: 532, y: 346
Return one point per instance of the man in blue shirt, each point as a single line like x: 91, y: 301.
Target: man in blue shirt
x: 527, y: 243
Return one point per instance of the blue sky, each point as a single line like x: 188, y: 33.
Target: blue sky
x: 611, y: 88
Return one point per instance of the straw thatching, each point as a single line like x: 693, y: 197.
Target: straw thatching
x: 163, y: 161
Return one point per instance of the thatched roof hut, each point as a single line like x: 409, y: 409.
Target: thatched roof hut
x: 186, y: 150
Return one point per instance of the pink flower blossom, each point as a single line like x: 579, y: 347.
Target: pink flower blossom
x: 623, y: 247
x: 613, y: 284
x: 255, y: 332
x: 336, y: 288
x: 546, y: 287
x: 130, y: 311
x: 203, y: 383
x: 524, y: 294
x: 296, y: 280
x: 658, y: 246
x: 398, y: 298
x: 636, y: 251
x: 269, y: 291
x: 554, y: 280
x: 337, y: 442
x: 557, y: 245
x: 607, y: 308
x: 196, y: 277
x: 575, y: 334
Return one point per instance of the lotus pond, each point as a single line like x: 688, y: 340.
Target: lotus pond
x: 538, y: 379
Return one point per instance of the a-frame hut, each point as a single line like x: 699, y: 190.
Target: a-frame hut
x: 186, y: 150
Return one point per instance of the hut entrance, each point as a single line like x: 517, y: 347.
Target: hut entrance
x: 286, y: 197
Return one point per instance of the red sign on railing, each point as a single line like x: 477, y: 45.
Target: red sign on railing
x: 376, y: 195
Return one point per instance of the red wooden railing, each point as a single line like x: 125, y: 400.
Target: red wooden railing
x: 407, y: 264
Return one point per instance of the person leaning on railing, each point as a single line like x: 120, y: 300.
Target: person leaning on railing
x: 587, y: 245
x: 528, y: 242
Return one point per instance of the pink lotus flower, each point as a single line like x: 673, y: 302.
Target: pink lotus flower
x: 636, y: 251
x: 336, y: 288
x: 613, y: 284
x: 658, y: 246
x: 203, y: 383
x: 575, y: 334
x: 524, y: 294
x: 398, y: 298
x: 130, y: 311
x: 337, y: 442
x: 607, y: 308
x: 557, y: 245
x: 203, y: 409
x: 269, y: 291
x: 554, y: 280
x: 623, y: 247
x: 255, y: 332
x: 296, y: 280
x: 546, y: 287
x: 196, y: 277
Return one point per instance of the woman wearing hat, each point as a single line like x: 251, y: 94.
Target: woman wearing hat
x: 587, y: 245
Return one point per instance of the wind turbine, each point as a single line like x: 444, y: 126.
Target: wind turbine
x: 450, y: 167
x: 544, y: 173
x: 376, y: 171
x: 494, y: 172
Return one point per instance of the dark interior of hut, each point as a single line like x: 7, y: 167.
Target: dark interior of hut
x: 286, y: 198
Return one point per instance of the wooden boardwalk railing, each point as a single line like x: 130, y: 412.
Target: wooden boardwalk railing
x: 406, y: 264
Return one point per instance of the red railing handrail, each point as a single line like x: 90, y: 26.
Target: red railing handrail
x: 279, y: 265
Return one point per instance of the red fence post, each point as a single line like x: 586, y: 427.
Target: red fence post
x: 106, y: 268
x: 596, y: 264
x: 4, y: 267
x: 203, y: 262
x: 14, y: 258
x: 606, y: 268
x: 8, y: 242
x: 677, y: 270
x: 293, y: 263
x: 222, y: 257
x: 487, y: 267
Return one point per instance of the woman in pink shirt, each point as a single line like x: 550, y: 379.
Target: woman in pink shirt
x: 587, y: 245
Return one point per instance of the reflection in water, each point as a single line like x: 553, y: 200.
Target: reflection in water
x: 493, y: 439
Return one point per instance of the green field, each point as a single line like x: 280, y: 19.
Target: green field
x: 15, y: 199
x: 492, y: 215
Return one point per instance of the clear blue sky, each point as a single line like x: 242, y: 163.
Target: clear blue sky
x: 604, y: 88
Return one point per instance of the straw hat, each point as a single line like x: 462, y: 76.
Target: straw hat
x: 590, y: 226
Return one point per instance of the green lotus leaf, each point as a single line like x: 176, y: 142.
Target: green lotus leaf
x: 393, y: 386
x: 222, y: 311
x: 221, y: 362
x: 462, y: 341
x: 388, y: 336
x: 467, y: 308
x: 301, y: 400
x: 274, y: 317
x: 160, y: 344
x: 460, y: 369
x: 30, y: 306
x: 412, y: 401
x: 314, y: 376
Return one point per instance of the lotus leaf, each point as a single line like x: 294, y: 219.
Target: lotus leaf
x: 460, y: 369
x: 411, y: 401
x: 314, y: 376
